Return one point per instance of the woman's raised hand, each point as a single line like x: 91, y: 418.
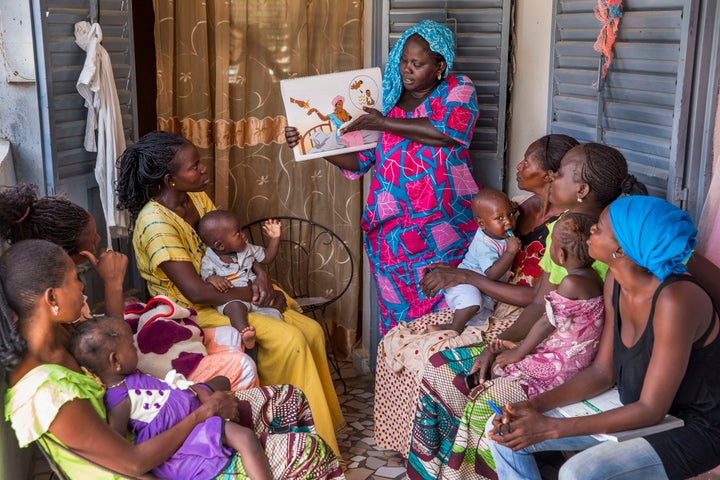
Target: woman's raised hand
x: 292, y: 136
x: 372, y: 120
x: 438, y: 276
x: 109, y: 265
x: 520, y: 426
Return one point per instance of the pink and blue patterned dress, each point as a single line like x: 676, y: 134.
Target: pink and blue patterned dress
x: 418, y: 208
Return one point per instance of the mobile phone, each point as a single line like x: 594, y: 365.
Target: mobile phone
x: 472, y: 380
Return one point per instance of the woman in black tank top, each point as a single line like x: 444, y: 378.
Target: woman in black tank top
x: 660, y: 344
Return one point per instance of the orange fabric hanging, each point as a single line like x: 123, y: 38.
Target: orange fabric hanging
x: 609, y: 12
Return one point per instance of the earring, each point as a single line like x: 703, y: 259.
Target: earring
x: 56, y: 310
x: 614, y: 254
x: 579, y: 199
x: 172, y: 184
x: 439, y: 75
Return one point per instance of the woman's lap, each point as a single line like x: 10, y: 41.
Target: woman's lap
x: 470, y: 455
x: 629, y: 460
x: 280, y: 416
x: 275, y: 409
x: 441, y: 402
x: 396, y: 392
x: 293, y: 351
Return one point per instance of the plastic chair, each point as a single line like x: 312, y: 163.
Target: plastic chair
x: 306, y: 263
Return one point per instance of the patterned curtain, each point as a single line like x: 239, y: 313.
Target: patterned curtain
x: 219, y: 66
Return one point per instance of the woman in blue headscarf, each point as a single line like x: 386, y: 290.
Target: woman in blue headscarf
x: 660, y: 345
x: 418, y: 208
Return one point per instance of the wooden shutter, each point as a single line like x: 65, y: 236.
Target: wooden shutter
x: 641, y: 107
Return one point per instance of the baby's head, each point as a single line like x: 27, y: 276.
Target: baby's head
x: 569, y: 239
x: 221, y: 230
x: 494, y: 212
x: 104, y: 345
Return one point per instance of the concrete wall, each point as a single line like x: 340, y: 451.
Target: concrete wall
x: 20, y: 125
x: 20, y: 118
x: 529, y: 97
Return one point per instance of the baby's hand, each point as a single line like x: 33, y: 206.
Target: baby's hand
x: 513, y: 244
x: 221, y: 284
x: 498, y: 345
x: 509, y: 356
x: 272, y: 228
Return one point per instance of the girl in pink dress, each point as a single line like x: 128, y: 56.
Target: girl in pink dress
x: 565, y: 340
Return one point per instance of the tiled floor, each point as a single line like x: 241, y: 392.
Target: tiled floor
x: 357, y: 445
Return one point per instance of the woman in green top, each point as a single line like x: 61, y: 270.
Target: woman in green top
x: 49, y: 397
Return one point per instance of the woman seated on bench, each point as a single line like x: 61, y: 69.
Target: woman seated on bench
x: 51, y: 401
x: 660, y: 344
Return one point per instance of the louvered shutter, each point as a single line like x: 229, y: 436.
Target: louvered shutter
x: 62, y: 109
x: 641, y: 105
x: 482, y: 30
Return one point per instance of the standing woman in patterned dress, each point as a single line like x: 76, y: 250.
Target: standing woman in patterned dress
x: 418, y: 208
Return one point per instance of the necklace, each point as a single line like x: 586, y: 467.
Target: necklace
x: 108, y: 387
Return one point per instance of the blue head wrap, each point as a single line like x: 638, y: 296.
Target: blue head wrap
x: 654, y: 233
x: 441, y: 41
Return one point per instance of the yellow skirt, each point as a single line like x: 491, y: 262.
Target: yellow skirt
x: 293, y: 352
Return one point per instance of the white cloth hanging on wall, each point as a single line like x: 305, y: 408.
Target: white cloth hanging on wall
x: 97, y: 86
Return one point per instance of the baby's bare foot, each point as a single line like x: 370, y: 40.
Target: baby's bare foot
x: 248, y: 337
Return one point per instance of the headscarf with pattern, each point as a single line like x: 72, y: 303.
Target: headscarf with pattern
x: 653, y: 233
x: 440, y: 39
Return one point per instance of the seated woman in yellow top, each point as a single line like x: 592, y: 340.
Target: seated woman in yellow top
x: 161, y: 184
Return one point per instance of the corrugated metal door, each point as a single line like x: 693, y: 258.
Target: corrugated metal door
x: 482, y: 33
x: 68, y: 167
x: 641, y: 107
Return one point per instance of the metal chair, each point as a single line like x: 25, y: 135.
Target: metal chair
x: 311, y: 257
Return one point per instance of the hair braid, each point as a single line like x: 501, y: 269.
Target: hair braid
x: 56, y: 219
x: 143, y: 167
x: 27, y: 270
x: 572, y: 232
x: 552, y: 148
x: 12, y: 345
x: 605, y: 170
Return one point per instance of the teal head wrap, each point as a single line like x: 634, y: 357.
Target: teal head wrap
x: 653, y: 233
x: 441, y: 41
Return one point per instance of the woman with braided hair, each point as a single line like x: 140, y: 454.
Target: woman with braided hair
x: 24, y: 216
x: 162, y: 184
x: 446, y: 421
